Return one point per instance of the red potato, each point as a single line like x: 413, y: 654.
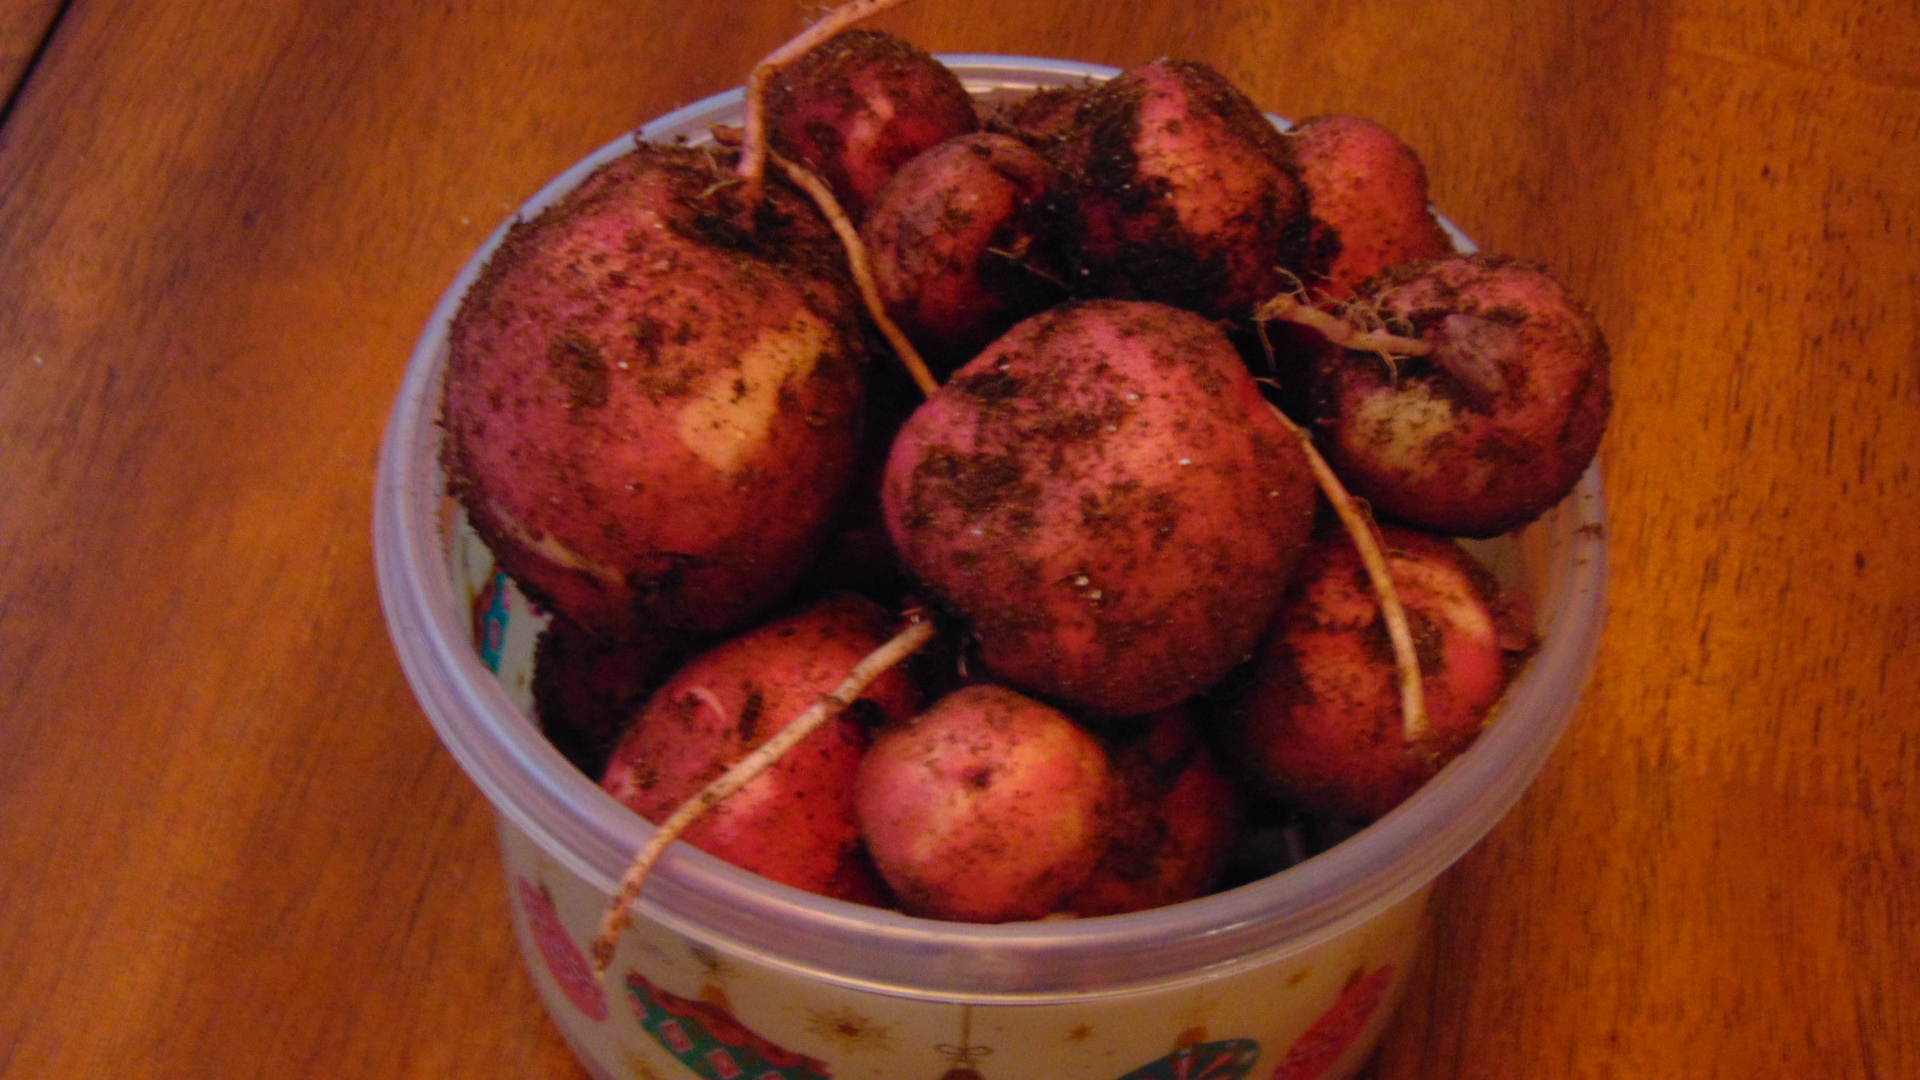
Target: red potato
x: 1042, y: 119
x: 988, y: 807
x: 1368, y: 191
x: 1180, y: 190
x: 793, y: 823
x: 1106, y: 499
x: 860, y: 106
x: 1318, y: 720
x: 1112, y: 510
x: 586, y: 688
x: 650, y: 416
x: 1490, y: 430
x: 1176, y: 818
x: 953, y: 244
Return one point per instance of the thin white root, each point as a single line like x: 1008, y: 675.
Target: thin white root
x: 1359, y: 525
x: 1291, y: 308
x: 753, y: 156
x: 861, y: 269
x: 619, y: 912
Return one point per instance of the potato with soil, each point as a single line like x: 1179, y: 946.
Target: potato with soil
x: 1175, y: 819
x: 586, y: 688
x: 988, y: 807
x: 1368, y: 190
x: 650, y: 414
x: 1317, y: 721
x: 793, y: 823
x: 1105, y: 498
x: 1042, y: 118
x: 954, y: 244
x: 1489, y: 430
x: 1180, y: 190
x: 860, y: 106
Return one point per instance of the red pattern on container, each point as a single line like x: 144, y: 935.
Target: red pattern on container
x: 711, y: 1041
x: 1323, y: 1044
x: 565, y: 962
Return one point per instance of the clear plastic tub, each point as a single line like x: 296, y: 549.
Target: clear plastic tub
x: 1290, y: 977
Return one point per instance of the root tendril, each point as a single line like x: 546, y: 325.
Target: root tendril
x: 829, y: 705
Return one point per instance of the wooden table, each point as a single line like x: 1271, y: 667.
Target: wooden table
x: 230, y: 845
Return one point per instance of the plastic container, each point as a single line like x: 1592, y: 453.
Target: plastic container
x: 728, y: 975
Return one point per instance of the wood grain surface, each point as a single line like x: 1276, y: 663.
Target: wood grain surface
x: 24, y: 27
x: 230, y: 845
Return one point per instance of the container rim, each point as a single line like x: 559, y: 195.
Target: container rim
x: 592, y: 835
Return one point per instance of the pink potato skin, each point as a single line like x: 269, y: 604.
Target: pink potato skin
x: 1318, y: 722
x: 650, y: 418
x: 1105, y: 497
x: 1180, y: 190
x: 793, y: 823
x: 860, y: 106
x: 1495, y: 426
x: 1177, y: 816
x: 988, y: 807
x: 1368, y: 190
x: 952, y: 241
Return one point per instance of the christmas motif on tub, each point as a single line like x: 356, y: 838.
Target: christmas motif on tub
x: 964, y: 1055
x: 565, y: 962
x: 1195, y: 1057
x: 1323, y: 1044
x: 704, y: 1036
x: 1229, y: 1059
x: 490, y: 621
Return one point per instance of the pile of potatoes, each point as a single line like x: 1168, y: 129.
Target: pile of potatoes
x: 679, y: 429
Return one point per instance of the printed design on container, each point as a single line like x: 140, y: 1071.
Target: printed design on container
x: 565, y: 962
x: 1197, y: 1057
x: 1323, y: 1044
x: 490, y: 621
x: 850, y: 1031
x: 641, y: 1068
x: 702, y: 1034
x: 1229, y: 1059
x: 964, y: 1055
